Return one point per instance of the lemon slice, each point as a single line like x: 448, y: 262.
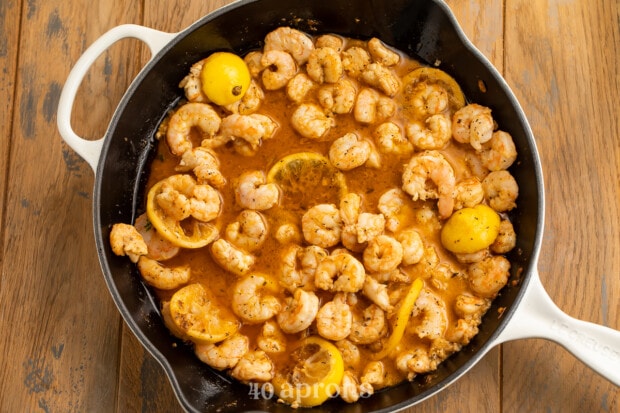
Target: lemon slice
x: 315, y: 376
x: 199, y: 317
x: 470, y: 229
x: 433, y: 75
x: 189, y: 233
x: 225, y: 78
x: 307, y: 179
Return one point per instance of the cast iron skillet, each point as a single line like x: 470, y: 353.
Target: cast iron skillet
x: 426, y: 30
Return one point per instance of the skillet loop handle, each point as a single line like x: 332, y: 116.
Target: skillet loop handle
x: 90, y: 150
x: 538, y: 317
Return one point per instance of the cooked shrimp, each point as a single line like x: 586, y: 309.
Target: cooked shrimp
x: 473, y: 124
x: 250, y: 102
x: 253, y: 191
x: 159, y: 248
x: 310, y: 121
x: 348, y: 272
x: 271, y: 338
x: 429, y: 175
x: 350, y: 206
x: 468, y: 193
x: 350, y: 353
x: 383, y: 254
x: 162, y: 277
x: 413, y: 246
x: 333, y: 321
x: 500, y: 152
x: 381, y: 53
x: 381, y: 78
x: 489, y: 276
x: 392, y: 204
x: 232, y: 258
x: 371, y: 107
x: 253, y: 62
x: 192, y: 85
x: 349, y: 151
x: 253, y: 366
x: 126, y: 240
x: 295, y: 42
x: 298, y: 265
x: 224, y: 355
x: 205, y: 203
x: 299, y: 86
x: 299, y: 311
x: 501, y: 190
x: 349, y: 388
x: 355, y: 60
x: 338, y: 97
x: 251, y: 302
x: 329, y: 40
x: 435, y: 316
x: 433, y: 133
x: 472, y: 257
x: 188, y: 116
x: 249, y: 231
x: 372, y: 377
x: 469, y: 306
x: 288, y: 233
x: 321, y: 225
x: 205, y: 165
x: 427, y: 99
x: 416, y: 361
x: 369, y: 226
x: 324, y: 65
x: 506, y: 238
x: 377, y: 293
x: 251, y: 128
x: 369, y: 326
x: 279, y: 68
x: 390, y: 139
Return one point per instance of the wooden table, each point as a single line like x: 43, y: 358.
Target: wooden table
x: 64, y: 346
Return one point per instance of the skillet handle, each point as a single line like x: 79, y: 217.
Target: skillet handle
x: 90, y: 150
x: 538, y: 317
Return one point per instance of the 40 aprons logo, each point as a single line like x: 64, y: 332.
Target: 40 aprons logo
x: 296, y: 393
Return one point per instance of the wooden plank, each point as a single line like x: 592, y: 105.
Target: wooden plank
x: 63, y: 327
x: 562, y: 59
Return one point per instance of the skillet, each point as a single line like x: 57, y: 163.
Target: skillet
x: 426, y: 30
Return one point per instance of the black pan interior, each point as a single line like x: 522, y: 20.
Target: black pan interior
x: 422, y: 28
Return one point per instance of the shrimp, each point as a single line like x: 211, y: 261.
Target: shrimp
x: 355, y: 60
x: 501, y: 190
x: 250, y: 102
x: 279, y: 67
x: 369, y: 226
x: 333, y: 321
x: 433, y: 133
x: 251, y: 128
x: 159, y: 248
x: 489, y: 276
x: 473, y: 124
x: 254, y: 366
x: 468, y: 193
x: 348, y: 272
x: 161, y: 277
x: 253, y: 191
x: 288, y: 233
x: 188, y: 116
x: 416, y: 361
x: 471, y: 309
x: 126, y: 240
x: 324, y: 65
x: 368, y: 327
x: 472, y: 257
x: 321, y: 225
x: 350, y: 205
x: 349, y: 151
x: 506, y: 238
x: 373, y: 377
x: 232, y: 258
x: 392, y: 204
x: 371, y: 107
x: 427, y: 99
x: 500, y: 152
x: 192, y: 85
x: 413, y: 247
x: 377, y: 293
x: 329, y: 40
x: 381, y: 53
x: 350, y: 353
x: 298, y: 266
x: 249, y: 231
x: 310, y: 121
x: 206, y: 203
x: 383, y: 254
x: 435, y: 320
x: 298, y: 87
x: 338, y: 97
x: 390, y: 139
x: 205, y: 165
x: 349, y: 388
x: 381, y: 78
x: 251, y: 302
x: 271, y: 338
x: 295, y: 42
x: 224, y: 355
x: 429, y: 175
x: 299, y: 312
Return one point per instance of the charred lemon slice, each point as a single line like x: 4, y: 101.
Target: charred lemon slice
x: 198, y: 316
x: 432, y: 75
x: 307, y: 179
x: 315, y: 375
x: 186, y: 233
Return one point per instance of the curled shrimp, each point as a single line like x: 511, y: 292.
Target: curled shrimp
x: 299, y: 311
x: 338, y: 97
x: 293, y: 41
x: 381, y: 78
x: 489, y: 276
x: 371, y: 107
x: 473, y: 124
x: 349, y: 387
x: 224, y: 355
x: 205, y: 165
x: 373, y: 377
x: 501, y: 190
x: 369, y: 326
x: 188, y: 116
x: 250, y: 102
x: 413, y: 246
x: 383, y: 254
x: 393, y: 205
x: 500, y: 152
x: 251, y: 302
x: 250, y: 128
x: 381, y: 53
x: 279, y: 68
x: 253, y: 366
x: 350, y: 353
x: 428, y: 175
x: 310, y: 121
x: 298, y: 266
x: 181, y: 197
x: 231, y: 258
x: 253, y: 191
x: 427, y: 99
x: 162, y: 277
x: 369, y: 226
x: 324, y: 65
x: 468, y: 193
x: 433, y: 133
x: 333, y: 321
x: 348, y: 272
x: 377, y: 293
x: 159, y: 248
x: 126, y: 240
x: 329, y: 40
x: 435, y: 316
x: 470, y: 309
x: 390, y: 139
x: 355, y: 60
x: 253, y: 62
x: 249, y: 231
x: 349, y: 151
x: 192, y: 85
x: 321, y: 225
x: 416, y: 361
x: 271, y: 338
x: 299, y: 86
x: 506, y: 238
